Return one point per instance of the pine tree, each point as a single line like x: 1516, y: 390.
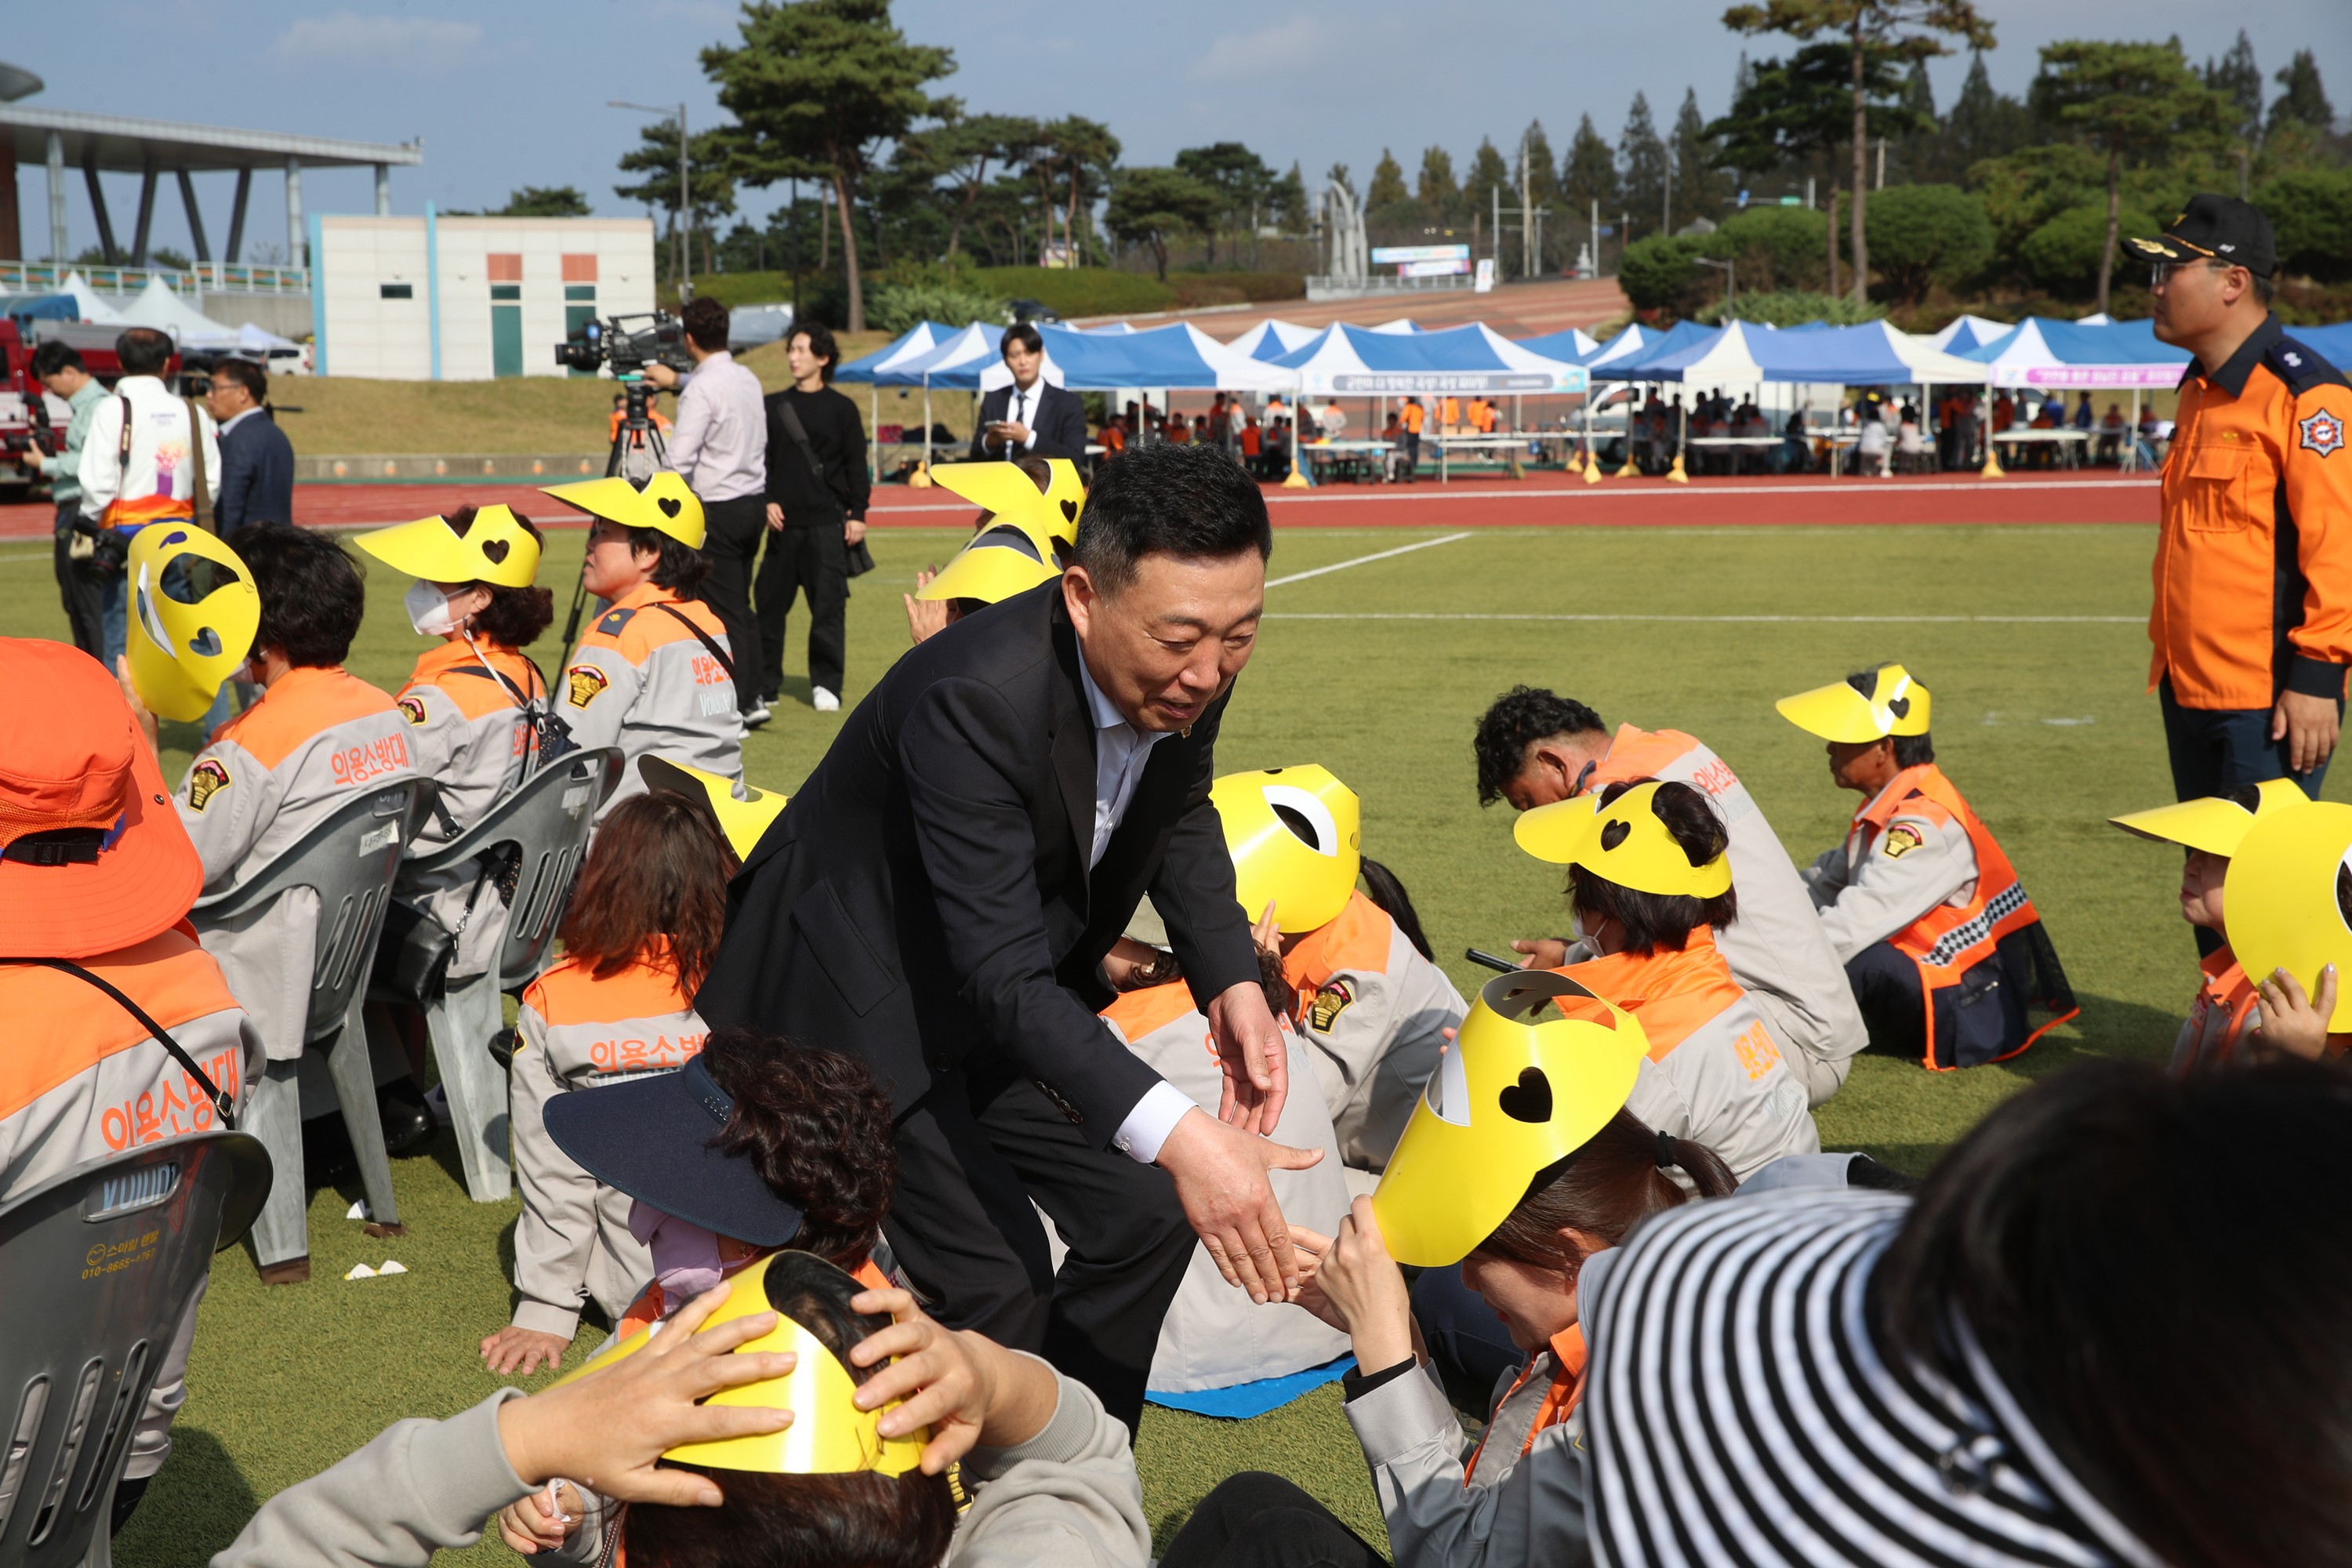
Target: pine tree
x: 1700, y: 188
x: 1918, y: 154
x: 1983, y: 123
x: 1288, y: 201
x: 1488, y: 173
x: 2237, y: 77
x: 2303, y: 98
x: 1641, y: 159
x: 1588, y: 175
x: 1543, y: 182
x: 1388, y: 184
x: 1438, y: 194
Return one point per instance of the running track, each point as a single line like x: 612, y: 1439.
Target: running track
x: 1543, y: 500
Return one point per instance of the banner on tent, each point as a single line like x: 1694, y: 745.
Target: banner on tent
x: 2103, y: 375
x: 1404, y: 382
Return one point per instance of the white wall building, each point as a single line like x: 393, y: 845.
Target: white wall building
x: 467, y: 299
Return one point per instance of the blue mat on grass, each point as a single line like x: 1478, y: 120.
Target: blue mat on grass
x: 1243, y: 1400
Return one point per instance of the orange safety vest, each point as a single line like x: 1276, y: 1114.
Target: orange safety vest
x: 2225, y: 986
x: 1453, y: 413
x: 1559, y: 1401
x: 1414, y: 417
x: 1960, y: 948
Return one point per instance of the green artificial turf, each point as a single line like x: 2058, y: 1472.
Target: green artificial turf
x: 2044, y: 724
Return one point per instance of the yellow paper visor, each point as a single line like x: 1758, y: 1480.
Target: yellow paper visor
x: 665, y: 504
x: 828, y: 1435
x: 743, y: 820
x: 1296, y: 835
x: 1001, y: 562
x: 1839, y: 713
x: 2281, y: 901
x: 2215, y: 824
x: 1000, y: 487
x: 180, y: 652
x: 1624, y: 841
x: 494, y: 549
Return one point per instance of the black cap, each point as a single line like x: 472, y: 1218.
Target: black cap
x: 651, y: 1138
x: 2219, y: 229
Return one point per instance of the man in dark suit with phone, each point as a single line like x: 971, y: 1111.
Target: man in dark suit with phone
x: 940, y: 895
x: 1032, y: 415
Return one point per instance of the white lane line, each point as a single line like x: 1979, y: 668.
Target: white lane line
x: 1602, y: 492
x: 1361, y: 560
x: 1717, y: 620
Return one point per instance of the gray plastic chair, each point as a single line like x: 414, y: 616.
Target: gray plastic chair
x: 348, y: 860
x: 546, y: 820
x: 97, y: 1270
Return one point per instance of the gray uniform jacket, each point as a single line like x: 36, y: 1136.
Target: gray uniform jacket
x: 1728, y: 1085
x: 317, y: 736
x: 1875, y: 884
x: 642, y: 680
x: 1776, y: 948
x: 466, y: 733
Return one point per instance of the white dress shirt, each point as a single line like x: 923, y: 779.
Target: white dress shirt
x: 719, y: 445
x: 237, y: 419
x: 1120, y: 752
x: 1022, y: 411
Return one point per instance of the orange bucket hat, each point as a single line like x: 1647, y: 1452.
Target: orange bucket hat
x: 92, y: 854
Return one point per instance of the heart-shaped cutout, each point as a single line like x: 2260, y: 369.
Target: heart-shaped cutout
x: 1615, y: 833
x: 495, y: 550
x: 1069, y: 512
x: 669, y: 504
x: 1529, y: 1100
x: 1899, y: 706
x: 205, y: 644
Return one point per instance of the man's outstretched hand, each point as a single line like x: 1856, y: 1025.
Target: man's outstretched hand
x: 1253, y: 1056
x: 1221, y: 1180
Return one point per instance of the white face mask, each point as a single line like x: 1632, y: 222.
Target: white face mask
x: 428, y: 610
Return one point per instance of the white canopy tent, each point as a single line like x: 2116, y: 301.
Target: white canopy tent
x: 158, y: 306
x: 93, y: 309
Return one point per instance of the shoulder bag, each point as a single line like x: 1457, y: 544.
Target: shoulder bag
x: 861, y: 559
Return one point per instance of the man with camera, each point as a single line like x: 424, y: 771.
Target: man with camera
x: 80, y: 583
x: 720, y: 449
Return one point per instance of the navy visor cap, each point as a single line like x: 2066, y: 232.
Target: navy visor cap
x: 653, y: 1137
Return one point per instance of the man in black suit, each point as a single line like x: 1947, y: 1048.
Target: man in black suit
x: 1033, y: 415
x: 257, y: 461
x: 940, y: 895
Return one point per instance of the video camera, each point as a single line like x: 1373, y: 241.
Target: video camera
x: 627, y: 349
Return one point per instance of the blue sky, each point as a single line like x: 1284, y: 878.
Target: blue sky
x: 513, y: 92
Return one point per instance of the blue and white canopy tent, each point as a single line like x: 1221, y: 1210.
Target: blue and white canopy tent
x: 1177, y: 356
x: 2333, y: 342
x: 1272, y: 339
x: 917, y: 341
x: 1347, y: 361
x: 912, y: 360
x: 1967, y: 332
x: 2041, y: 353
x: 1575, y: 345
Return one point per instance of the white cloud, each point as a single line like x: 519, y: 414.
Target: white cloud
x: 1298, y: 42
x: 413, y: 43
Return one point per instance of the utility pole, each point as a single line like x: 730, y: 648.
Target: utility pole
x: 685, y: 218
x: 1495, y: 205
x: 1596, y: 236
x: 1527, y: 254
x: 1882, y: 164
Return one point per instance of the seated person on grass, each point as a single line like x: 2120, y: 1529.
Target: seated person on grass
x: 1945, y: 953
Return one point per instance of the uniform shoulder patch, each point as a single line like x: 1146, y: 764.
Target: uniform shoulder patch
x: 205, y: 779
x: 2301, y: 367
x: 612, y: 624
x: 412, y: 706
x: 583, y: 683
x: 2321, y: 433
x: 1335, y: 998
x: 1900, y: 839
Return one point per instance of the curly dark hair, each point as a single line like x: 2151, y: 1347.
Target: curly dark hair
x: 818, y: 1128
x: 515, y: 616
x: 312, y: 592
x: 681, y: 568
x: 1518, y: 719
x: 1653, y: 920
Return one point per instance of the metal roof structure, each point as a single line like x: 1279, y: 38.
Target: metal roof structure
x: 116, y: 144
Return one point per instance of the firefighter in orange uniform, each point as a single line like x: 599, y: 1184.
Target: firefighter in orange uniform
x: 1945, y: 952
x: 96, y: 877
x: 1415, y: 416
x: 2252, y: 614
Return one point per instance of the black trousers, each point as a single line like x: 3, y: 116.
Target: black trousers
x: 1893, y: 1009
x: 810, y: 559
x: 971, y: 1155
x: 79, y: 588
x: 2215, y: 750
x: 733, y: 530
x: 1256, y: 1521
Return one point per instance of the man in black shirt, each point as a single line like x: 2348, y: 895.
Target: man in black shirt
x: 817, y: 489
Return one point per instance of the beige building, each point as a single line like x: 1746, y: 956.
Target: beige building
x: 469, y: 298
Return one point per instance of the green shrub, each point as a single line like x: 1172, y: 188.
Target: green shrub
x: 2063, y: 255
x: 1792, y: 308
x: 1081, y: 290
x: 1660, y: 274
x: 2312, y: 210
x: 896, y: 306
x: 1775, y: 248
x: 1921, y: 234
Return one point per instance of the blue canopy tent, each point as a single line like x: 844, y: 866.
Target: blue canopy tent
x: 40, y: 306
x: 1675, y: 340
x: 1176, y: 356
x: 1575, y: 345
x: 918, y: 340
x: 908, y: 361
x: 2334, y: 342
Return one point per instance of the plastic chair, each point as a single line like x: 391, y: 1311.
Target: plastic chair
x: 547, y: 821
x: 96, y: 1270
x: 348, y: 860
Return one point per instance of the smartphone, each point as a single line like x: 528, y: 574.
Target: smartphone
x: 1508, y: 965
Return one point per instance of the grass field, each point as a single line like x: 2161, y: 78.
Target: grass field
x: 2030, y: 638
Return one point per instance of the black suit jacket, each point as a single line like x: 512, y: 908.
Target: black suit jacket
x: 1060, y: 422
x: 926, y: 897
x: 257, y: 477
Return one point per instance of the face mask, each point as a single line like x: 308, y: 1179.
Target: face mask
x: 428, y: 610
x: 686, y: 1257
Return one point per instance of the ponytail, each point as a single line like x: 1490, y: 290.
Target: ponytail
x: 1380, y: 885
x: 1605, y: 1189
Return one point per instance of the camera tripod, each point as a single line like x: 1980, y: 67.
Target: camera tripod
x: 637, y: 450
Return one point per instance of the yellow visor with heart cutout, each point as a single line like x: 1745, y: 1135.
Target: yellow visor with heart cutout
x: 1623, y: 841
x: 2215, y: 823
x: 665, y: 504
x: 1005, y: 560
x: 1065, y: 498
x: 2287, y: 897
x: 495, y: 548
x: 1895, y: 704
x: 828, y: 1435
x: 1296, y: 835
x: 1540, y: 1066
x: 180, y: 650
x: 742, y: 818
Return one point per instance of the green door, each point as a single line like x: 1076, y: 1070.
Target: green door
x: 506, y: 330
x: 579, y: 310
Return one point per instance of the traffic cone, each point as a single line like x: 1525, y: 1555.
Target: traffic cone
x: 1675, y: 476
x: 920, y: 479
x: 1592, y: 475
